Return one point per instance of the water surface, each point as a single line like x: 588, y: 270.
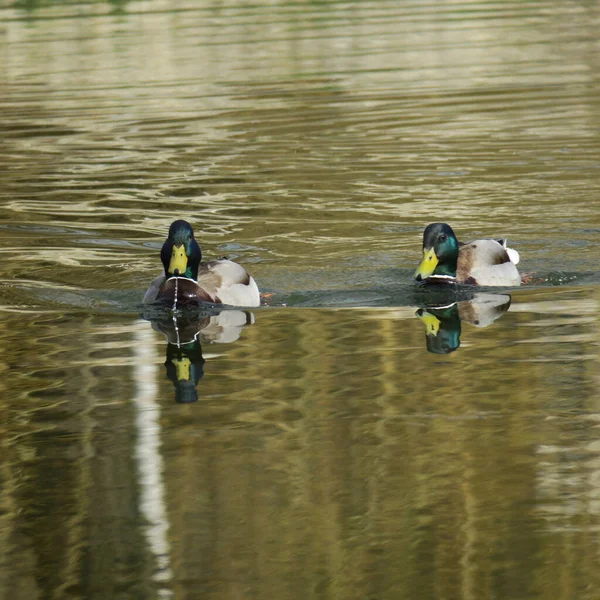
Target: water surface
x: 324, y: 445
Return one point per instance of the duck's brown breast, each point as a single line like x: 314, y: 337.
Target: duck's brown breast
x: 182, y: 291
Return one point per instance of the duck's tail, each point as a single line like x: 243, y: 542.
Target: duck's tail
x: 512, y: 254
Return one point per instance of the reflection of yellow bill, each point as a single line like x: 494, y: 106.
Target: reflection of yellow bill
x: 178, y: 261
x: 431, y: 322
x: 428, y: 264
x: 182, y: 368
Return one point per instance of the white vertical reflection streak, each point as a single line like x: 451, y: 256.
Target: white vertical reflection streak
x: 147, y: 452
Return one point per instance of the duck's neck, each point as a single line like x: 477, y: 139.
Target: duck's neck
x: 447, y: 268
x: 190, y: 273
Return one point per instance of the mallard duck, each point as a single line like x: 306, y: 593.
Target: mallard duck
x: 481, y: 262
x: 187, y: 280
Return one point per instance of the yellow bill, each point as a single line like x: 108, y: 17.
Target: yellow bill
x: 178, y: 261
x: 183, y: 369
x: 428, y: 264
x: 431, y: 322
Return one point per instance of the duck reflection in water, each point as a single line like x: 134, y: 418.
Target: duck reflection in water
x: 443, y: 323
x: 185, y: 332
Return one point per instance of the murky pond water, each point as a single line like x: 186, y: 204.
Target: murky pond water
x: 328, y: 444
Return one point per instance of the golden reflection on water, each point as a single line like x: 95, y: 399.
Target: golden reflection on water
x: 328, y: 454
x: 328, y: 450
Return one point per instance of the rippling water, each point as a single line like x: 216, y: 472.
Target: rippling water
x: 327, y: 445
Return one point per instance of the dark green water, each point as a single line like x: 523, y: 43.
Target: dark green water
x: 333, y: 450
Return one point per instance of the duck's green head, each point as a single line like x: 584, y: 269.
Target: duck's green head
x: 442, y: 328
x: 185, y: 368
x: 181, y: 254
x: 440, y: 252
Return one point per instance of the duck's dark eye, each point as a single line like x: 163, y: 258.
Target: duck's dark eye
x: 443, y: 237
